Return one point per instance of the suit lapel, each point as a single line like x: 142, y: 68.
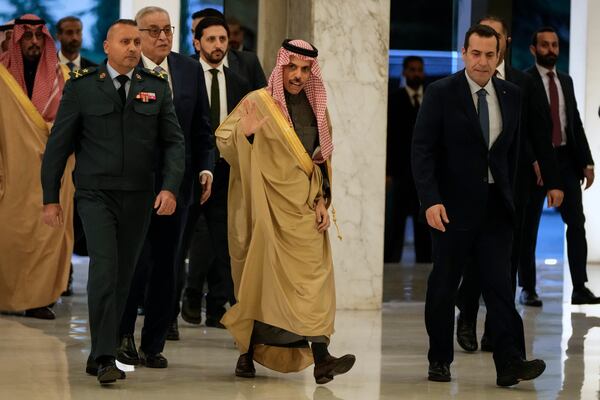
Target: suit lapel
x: 232, y: 60
x: 230, y: 89
x: 468, y: 106
x: 107, y: 86
x: 175, y: 82
x: 539, y: 87
x: 501, y: 95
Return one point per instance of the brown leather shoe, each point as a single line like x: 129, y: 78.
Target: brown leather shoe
x: 332, y: 366
x: 245, y: 367
x: 40, y: 313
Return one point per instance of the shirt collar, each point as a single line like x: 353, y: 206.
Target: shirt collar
x: 64, y: 60
x: 114, y: 73
x: 544, y: 71
x: 501, y: 70
x: 149, y: 64
x: 207, y: 67
x: 474, y: 86
x: 411, y: 92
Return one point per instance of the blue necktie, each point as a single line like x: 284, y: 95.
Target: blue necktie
x: 484, y: 115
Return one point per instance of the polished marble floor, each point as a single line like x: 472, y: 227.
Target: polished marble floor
x: 45, y: 359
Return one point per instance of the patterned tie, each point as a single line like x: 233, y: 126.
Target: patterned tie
x: 215, y: 101
x: 122, y: 93
x: 160, y: 70
x: 71, y: 65
x: 484, y: 115
x: 556, y: 128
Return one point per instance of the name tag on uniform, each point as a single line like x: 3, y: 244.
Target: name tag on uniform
x: 146, y: 97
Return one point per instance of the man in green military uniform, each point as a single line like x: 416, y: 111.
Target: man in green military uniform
x: 117, y: 119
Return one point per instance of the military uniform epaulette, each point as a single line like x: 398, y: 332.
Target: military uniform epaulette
x: 162, y: 75
x: 79, y: 73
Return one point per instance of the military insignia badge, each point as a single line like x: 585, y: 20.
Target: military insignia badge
x: 146, y: 97
x: 138, y: 77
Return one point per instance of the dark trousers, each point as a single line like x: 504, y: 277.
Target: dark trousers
x: 488, y: 247
x: 401, y: 203
x: 205, y: 241
x: 572, y: 215
x: 115, y: 225
x: 154, y: 281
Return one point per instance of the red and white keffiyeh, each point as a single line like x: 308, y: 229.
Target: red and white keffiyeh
x: 49, y: 80
x: 315, y: 92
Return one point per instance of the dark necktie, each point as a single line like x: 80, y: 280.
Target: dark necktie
x: 554, y: 113
x: 71, y: 66
x: 122, y: 93
x: 215, y: 101
x: 484, y: 115
x: 416, y: 103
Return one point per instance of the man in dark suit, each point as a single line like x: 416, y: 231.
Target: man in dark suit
x: 532, y: 147
x: 464, y: 157
x: 209, y: 256
x: 560, y: 125
x: 401, y: 198
x: 118, y: 119
x: 69, y: 34
x: 154, y: 280
x: 243, y: 63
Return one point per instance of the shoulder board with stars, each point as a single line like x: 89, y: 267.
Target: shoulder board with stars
x: 161, y: 75
x: 79, y: 73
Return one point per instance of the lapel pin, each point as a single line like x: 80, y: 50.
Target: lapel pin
x: 102, y: 75
x: 138, y: 76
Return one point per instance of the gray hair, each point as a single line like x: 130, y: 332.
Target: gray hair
x: 149, y: 10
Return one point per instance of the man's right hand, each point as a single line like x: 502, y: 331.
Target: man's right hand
x: 249, y: 121
x: 437, y: 217
x: 52, y: 215
x: 555, y: 197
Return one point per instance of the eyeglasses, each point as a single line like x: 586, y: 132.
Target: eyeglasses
x: 155, y: 31
x: 28, y: 35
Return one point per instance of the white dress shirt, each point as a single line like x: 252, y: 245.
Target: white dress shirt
x: 222, y: 87
x: 495, y: 113
x: 149, y: 64
x: 411, y: 94
x: 501, y: 71
x: 562, y: 108
x: 113, y: 75
x: 64, y: 60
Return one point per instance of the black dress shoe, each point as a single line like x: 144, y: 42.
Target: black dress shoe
x: 439, y: 371
x: 332, y: 366
x: 466, y: 334
x: 245, y: 367
x: 40, y: 313
x: 108, y: 371
x: 191, y: 306
x: 69, y: 291
x: 91, y: 368
x: 530, y: 298
x: 486, y: 343
x: 584, y: 296
x: 173, y: 331
x: 153, y: 360
x: 213, y: 322
x: 126, y: 353
x: 520, y: 370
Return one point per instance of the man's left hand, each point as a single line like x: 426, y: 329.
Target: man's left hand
x: 165, y: 203
x: 52, y: 215
x: 206, y: 182
x: 588, y: 177
x: 322, y: 216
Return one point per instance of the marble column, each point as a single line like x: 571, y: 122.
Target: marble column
x: 583, y: 66
x: 353, y: 42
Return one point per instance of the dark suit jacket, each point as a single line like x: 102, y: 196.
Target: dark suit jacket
x: 85, y: 63
x: 533, y: 145
x: 450, y: 159
x: 246, y: 64
x: 576, y: 140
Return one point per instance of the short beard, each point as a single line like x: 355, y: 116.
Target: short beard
x: 547, y: 60
x: 72, y: 47
x: 414, y: 83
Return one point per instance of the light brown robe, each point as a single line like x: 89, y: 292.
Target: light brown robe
x: 281, y: 265
x: 34, y: 258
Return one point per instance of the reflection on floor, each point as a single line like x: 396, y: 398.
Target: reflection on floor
x: 45, y: 359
